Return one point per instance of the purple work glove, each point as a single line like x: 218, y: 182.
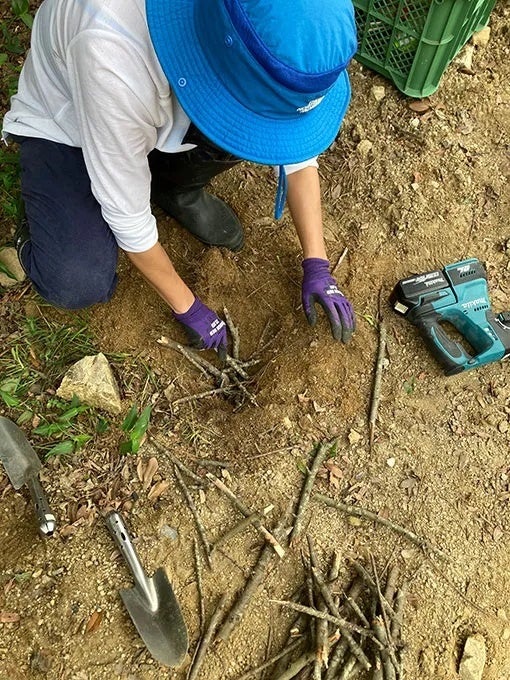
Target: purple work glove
x: 319, y: 286
x: 204, y: 329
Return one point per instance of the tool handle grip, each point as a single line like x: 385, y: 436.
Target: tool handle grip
x: 120, y: 534
x: 44, y: 514
x: 449, y: 353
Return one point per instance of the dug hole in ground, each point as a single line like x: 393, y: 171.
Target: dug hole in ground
x: 405, y: 191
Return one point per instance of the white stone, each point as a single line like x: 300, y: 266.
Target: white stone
x: 379, y: 92
x: 91, y: 380
x: 9, y: 257
x: 364, y: 147
x: 481, y: 38
x: 473, y: 658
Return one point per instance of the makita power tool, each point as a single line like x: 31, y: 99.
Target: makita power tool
x: 457, y: 295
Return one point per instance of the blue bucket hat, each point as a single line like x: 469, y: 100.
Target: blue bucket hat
x: 265, y: 80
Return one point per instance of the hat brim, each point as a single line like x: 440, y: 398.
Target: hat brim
x: 220, y: 116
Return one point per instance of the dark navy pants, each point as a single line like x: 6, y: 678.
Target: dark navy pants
x: 71, y: 257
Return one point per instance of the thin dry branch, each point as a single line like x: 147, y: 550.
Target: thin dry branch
x: 276, y: 657
x: 200, y: 589
x: 205, y: 642
x: 243, y: 509
x: 240, y: 527
x: 234, y: 333
x: 371, y: 516
x: 191, y: 504
x: 306, y: 490
x: 376, y: 393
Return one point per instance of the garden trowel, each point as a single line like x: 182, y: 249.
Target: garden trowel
x: 151, y: 603
x: 22, y: 466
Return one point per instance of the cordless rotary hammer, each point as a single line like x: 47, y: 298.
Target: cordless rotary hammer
x: 457, y: 295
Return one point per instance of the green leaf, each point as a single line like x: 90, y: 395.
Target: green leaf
x: 3, y: 57
x: 27, y: 19
x: 51, y: 429
x: 141, y: 424
x: 102, y: 425
x: 20, y: 7
x: 72, y: 413
x: 64, y: 448
x: 81, y: 439
x: 126, y: 447
x: 130, y: 418
x: 9, y: 400
x: 10, y: 386
x: 25, y: 417
x: 301, y: 466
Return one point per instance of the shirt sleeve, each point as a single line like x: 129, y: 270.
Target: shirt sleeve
x: 311, y: 163
x: 112, y: 105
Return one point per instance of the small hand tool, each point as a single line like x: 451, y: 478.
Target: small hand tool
x: 457, y: 295
x: 22, y: 466
x: 151, y: 603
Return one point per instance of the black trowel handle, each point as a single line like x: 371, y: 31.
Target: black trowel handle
x: 120, y: 535
x: 45, y: 517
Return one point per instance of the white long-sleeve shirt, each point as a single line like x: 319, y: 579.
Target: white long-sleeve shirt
x: 92, y: 80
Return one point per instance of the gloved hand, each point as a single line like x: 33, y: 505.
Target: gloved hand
x: 319, y: 286
x: 204, y: 329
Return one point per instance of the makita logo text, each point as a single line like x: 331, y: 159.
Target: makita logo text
x: 475, y: 303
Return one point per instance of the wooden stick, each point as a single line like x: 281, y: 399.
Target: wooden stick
x: 389, y: 646
x: 341, y: 648
x: 371, y: 516
x: 302, y: 661
x: 321, y: 454
x: 253, y: 584
x: 196, y: 516
x: 335, y: 566
x: 201, y: 395
x: 183, y: 468
x: 276, y: 657
x: 339, y: 261
x: 376, y: 393
x: 321, y: 626
x: 380, y: 633
x: 351, y: 669
x: 371, y: 584
x: 391, y: 584
x: 238, y: 367
x: 195, y: 359
x: 234, y: 332
x: 240, y: 527
x: 400, y: 601
x: 243, y: 509
x: 203, y: 646
x: 339, y: 622
x: 200, y: 589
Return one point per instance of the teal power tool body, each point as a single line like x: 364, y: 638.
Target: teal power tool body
x: 456, y: 295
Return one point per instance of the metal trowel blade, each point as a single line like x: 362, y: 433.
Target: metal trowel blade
x: 19, y: 458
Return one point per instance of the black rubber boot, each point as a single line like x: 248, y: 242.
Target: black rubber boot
x: 178, y: 182
x: 21, y: 238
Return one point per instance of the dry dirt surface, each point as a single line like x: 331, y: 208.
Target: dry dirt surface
x: 405, y: 192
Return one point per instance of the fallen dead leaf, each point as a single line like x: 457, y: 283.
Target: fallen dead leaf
x: 420, y: 105
x: 139, y: 469
x: 9, y: 617
x: 158, y: 489
x: 94, y: 622
x: 150, y: 470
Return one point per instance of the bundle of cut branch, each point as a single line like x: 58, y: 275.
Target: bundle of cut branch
x: 339, y: 634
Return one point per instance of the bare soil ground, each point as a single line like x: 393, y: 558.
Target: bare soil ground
x: 428, y: 189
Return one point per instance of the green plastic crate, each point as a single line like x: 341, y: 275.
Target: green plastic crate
x: 411, y: 42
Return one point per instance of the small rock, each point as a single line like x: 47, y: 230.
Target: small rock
x: 465, y: 58
x: 355, y: 521
x: 391, y: 462
x: 354, y: 437
x: 169, y: 532
x: 92, y: 381
x: 473, y: 658
x: 505, y: 635
x: 9, y: 257
x: 414, y: 123
x: 501, y: 614
x: 287, y: 423
x: 481, y: 38
x: 364, y: 147
x: 503, y: 426
x: 379, y: 92
x: 37, y: 573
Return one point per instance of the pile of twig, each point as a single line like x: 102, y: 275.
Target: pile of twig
x: 339, y: 634
x: 230, y: 381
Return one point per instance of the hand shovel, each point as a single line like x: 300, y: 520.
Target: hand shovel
x: 22, y: 466
x: 151, y: 603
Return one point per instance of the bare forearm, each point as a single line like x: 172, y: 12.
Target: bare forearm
x: 304, y: 201
x: 158, y: 270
